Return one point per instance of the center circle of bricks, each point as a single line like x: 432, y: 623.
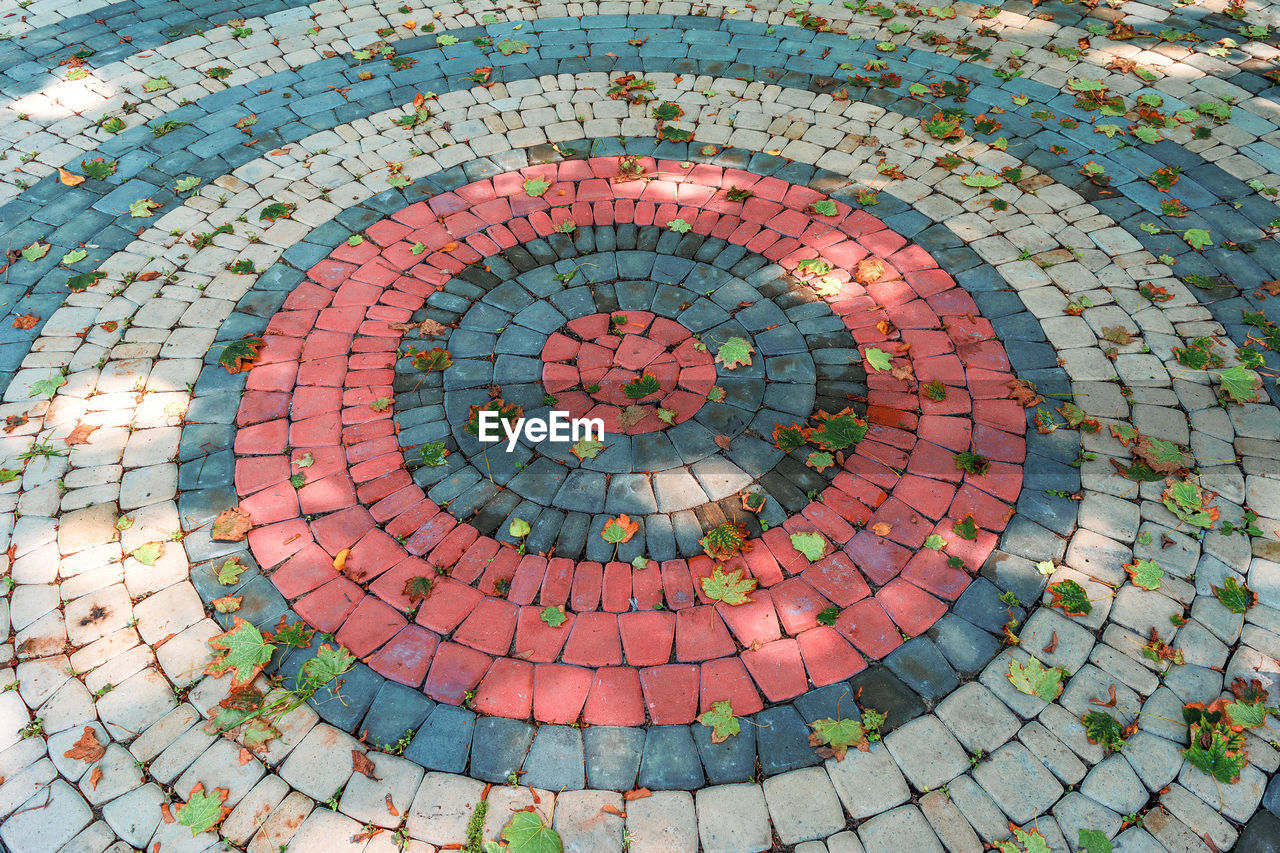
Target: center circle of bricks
x: 598, y: 366
x: 637, y: 644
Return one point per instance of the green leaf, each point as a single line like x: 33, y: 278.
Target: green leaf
x: 1094, y: 841
x: 640, y: 563
x: 534, y: 187
x: 981, y: 181
x: 1241, y: 384
x: 679, y: 226
x: 1235, y: 596
x: 1109, y: 129
x: 433, y: 454
x: 838, y: 735
x: 381, y: 404
x: 837, y: 432
x: 1148, y: 135
x: 328, y: 664
x: 443, y: 41
x: 1104, y: 730
x: 828, y: 616
x: 554, y: 616
x: 788, y: 438
x: 966, y: 528
x: 878, y: 359
x: 142, y: 208
x: 526, y: 833
x: 619, y: 530
x: 1197, y: 238
x: 732, y: 588
x: 46, y: 387
x: 587, y: 448
x: 1251, y: 715
x: 187, y: 184
x: 642, y: 386
x: 518, y: 528
x: 820, y: 460
x: 1033, y: 679
x: 276, y: 210
x: 824, y: 207
x: 1032, y: 842
x: 1071, y: 597
x: 99, y: 168
x: 230, y: 571
x: 242, y: 651
x: 155, y: 84
x: 8, y: 475
x: 1145, y: 573
x: 812, y: 545
x: 35, y: 251
x: 1223, y: 758
x: 202, y: 812
x: 721, y: 721
x: 934, y: 542
x: 667, y: 416
x: 735, y: 352
x: 510, y: 46
x: 75, y: 256
x: 148, y: 553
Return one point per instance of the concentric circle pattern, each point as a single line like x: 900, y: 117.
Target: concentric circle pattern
x: 901, y: 483
x: 932, y: 350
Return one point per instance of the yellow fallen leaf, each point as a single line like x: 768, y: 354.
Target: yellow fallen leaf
x: 71, y: 180
x: 408, y: 25
x: 880, y: 528
x: 340, y: 561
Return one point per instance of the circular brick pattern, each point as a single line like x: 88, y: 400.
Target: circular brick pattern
x: 595, y: 364
x: 329, y: 371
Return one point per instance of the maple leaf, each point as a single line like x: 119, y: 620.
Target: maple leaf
x: 868, y: 271
x: 1160, y: 455
x: 1189, y: 502
x: 535, y: 187
x: 428, y: 328
x: 642, y: 386
x: 243, y: 651
x: 80, y: 435
x: 1071, y: 597
x: 240, y: 355
x: 554, y: 617
x: 329, y: 663
x: 143, y: 208
x: 88, y: 748
x: 1024, y: 393
x: 632, y: 415
x: 838, y: 735
x: 966, y: 528
x: 934, y: 542
x: 433, y: 454
x: 230, y: 571
x: 619, y: 530
x: 820, y: 461
x: 1235, y: 596
x: 1033, y: 679
x: 1104, y: 730
x: 721, y: 720
x: 724, y: 540
x: 836, y: 432
x: 35, y: 251
x: 667, y: 416
x: 735, y: 352
x: 587, y: 448
x: 1145, y: 573
x: 788, y: 438
x: 526, y: 833
x: 231, y: 525
x: 148, y: 553
x: 732, y: 588
x: 228, y: 603
x: 1032, y: 841
x: 202, y: 812
x: 812, y: 545
x: 417, y: 588
x: 1241, y: 384
x: 824, y: 207
x: 69, y: 178
x: 437, y: 358
x: 1117, y: 335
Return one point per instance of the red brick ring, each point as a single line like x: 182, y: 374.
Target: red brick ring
x: 330, y: 352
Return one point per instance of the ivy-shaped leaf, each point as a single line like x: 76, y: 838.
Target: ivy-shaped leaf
x: 230, y: 571
x: 1241, y: 384
x: 724, y: 540
x: 1104, y: 730
x: 1197, y: 238
x: 837, y: 432
x: 679, y: 226
x: 824, y: 207
x: 812, y: 545
x: 240, y: 355
x: 878, y: 359
x: 966, y: 528
x: 1235, y: 596
x: 619, y: 530
x: 554, y: 617
x: 642, y: 386
x: 788, y: 438
x: 433, y: 454
x: 526, y: 833
x: 143, y: 208
x: 510, y: 46
x: 535, y: 187
x: 587, y: 448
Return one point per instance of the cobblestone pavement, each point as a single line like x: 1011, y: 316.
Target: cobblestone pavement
x: 939, y: 503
